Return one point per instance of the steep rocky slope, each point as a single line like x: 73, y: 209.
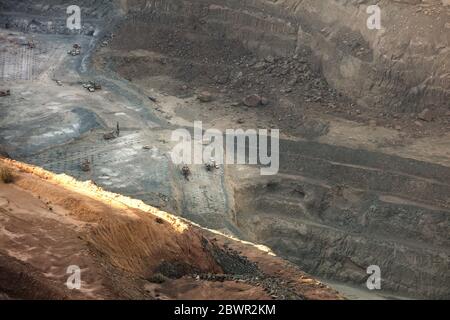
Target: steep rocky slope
x: 364, y: 177
x: 334, y: 211
x: 125, y: 249
x: 403, y: 67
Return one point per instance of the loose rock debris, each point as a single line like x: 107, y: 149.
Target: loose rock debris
x: 5, y: 93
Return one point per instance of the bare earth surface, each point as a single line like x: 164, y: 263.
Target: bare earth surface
x: 121, y: 245
x: 364, y: 157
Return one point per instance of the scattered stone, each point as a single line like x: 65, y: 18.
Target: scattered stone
x: 373, y: 123
x: 426, y: 115
x: 252, y: 101
x: 4, y: 93
x: 274, y: 287
x: 205, y: 96
x: 269, y: 59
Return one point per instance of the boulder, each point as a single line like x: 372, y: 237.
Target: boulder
x: 252, y: 101
x: 426, y: 115
x: 205, y: 96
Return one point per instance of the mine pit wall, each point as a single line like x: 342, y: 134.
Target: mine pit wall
x: 392, y: 73
x: 335, y: 211
x: 404, y: 67
x: 50, y: 16
x: 337, y: 236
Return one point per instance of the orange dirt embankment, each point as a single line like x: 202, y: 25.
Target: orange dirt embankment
x: 49, y: 222
x: 134, y: 236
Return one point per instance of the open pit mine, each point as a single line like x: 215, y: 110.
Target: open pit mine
x: 224, y: 149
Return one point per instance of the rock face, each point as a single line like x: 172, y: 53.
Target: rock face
x: 377, y: 68
x: 338, y: 210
